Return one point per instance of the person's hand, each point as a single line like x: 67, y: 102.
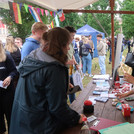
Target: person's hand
x: 70, y: 86
x: 7, y: 81
x: 90, y: 51
x: 121, y: 95
x: 80, y: 120
x: 70, y: 62
x: 129, y: 78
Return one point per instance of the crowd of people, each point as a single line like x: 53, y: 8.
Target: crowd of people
x: 36, y: 76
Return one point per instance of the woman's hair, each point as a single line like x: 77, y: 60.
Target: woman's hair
x: 10, y: 45
x: 57, y: 40
x: 85, y: 40
x: 2, y: 52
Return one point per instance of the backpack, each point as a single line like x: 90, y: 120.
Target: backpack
x: 85, y: 50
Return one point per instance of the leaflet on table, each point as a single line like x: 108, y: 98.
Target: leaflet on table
x: 101, y: 77
x: 101, y: 89
x: 106, y: 95
x: 101, y: 99
x: 99, y: 92
x: 92, y: 98
x: 94, y: 81
x: 1, y: 85
x: 103, y: 84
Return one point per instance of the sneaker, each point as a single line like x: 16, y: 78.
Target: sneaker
x: 90, y: 75
x: 84, y: 75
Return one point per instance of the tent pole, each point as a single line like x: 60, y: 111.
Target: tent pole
x: 112, y: 31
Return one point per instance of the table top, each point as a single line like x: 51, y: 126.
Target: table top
x: 104, y: 110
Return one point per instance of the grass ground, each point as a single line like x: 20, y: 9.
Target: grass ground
x: 96, y: 68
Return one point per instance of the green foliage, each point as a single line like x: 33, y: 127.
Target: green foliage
x: 72, y: 19
x: 128, y: 20
x: 105, y: 19
x: 20, y: 30
x: 77, y: 21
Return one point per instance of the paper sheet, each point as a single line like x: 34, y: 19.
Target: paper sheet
x: 1, y: 85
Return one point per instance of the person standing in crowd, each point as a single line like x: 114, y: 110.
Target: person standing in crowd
x: 129, y: 44
x: 110, y: 49
x: 18, y: 43
x: 101, y: 52
x: 7, y: 73
x: 76, y: 52
x: 91, y: 45
x: 33, y: 42
x: 40, y: 103
x: 71, y: 60
x: 85, y: 51
x: 13, y: 50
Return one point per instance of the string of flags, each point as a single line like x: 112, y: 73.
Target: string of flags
x: 15, y: 11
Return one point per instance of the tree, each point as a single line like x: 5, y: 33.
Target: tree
x: 20, y: 30
x: 72, y: 19
x: 105, y: 19
x: 127, y: 20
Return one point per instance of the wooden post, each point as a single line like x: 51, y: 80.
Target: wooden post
x: 112, y: 31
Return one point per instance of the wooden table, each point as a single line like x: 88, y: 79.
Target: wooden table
x: 104, y: 110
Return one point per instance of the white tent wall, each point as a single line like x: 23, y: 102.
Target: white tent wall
x: 62, y: 4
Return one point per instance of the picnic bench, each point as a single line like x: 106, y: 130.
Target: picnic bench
x: 104, y: 110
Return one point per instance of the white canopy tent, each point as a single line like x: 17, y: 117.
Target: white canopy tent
x: 62, y: 4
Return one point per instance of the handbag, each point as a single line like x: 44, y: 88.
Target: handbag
x: 130, y: 59
x: 74, y: 90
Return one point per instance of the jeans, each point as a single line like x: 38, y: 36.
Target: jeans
x: 87, y: 63
x: 121, y: 57
x: 77, y: 58
x: 102, y: 64
x: 71, y: 96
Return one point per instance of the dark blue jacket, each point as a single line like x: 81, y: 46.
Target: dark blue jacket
x: 29, y: 45
x: 40, y: 104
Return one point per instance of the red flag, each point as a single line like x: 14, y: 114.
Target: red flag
x: 62, y: 18
x: 51, y: 13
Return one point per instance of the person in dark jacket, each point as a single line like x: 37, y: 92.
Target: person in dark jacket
x: 85, y: 53
x: 40, y: 104
x: 7, y: 73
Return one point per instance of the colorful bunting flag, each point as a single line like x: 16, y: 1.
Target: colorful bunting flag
x: 52, y: 24
x: 51, y: 13
x: 17, y: 14
x: 42, y: 12
x: 35, y: 15
x: 57, y: 21
x: 26, y: 7
x: 46, y: 12
x: 20, y: 4
x: 62, y: 18
x: 11, y: 10
x: 54, y: 14
x: 38, y: 10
